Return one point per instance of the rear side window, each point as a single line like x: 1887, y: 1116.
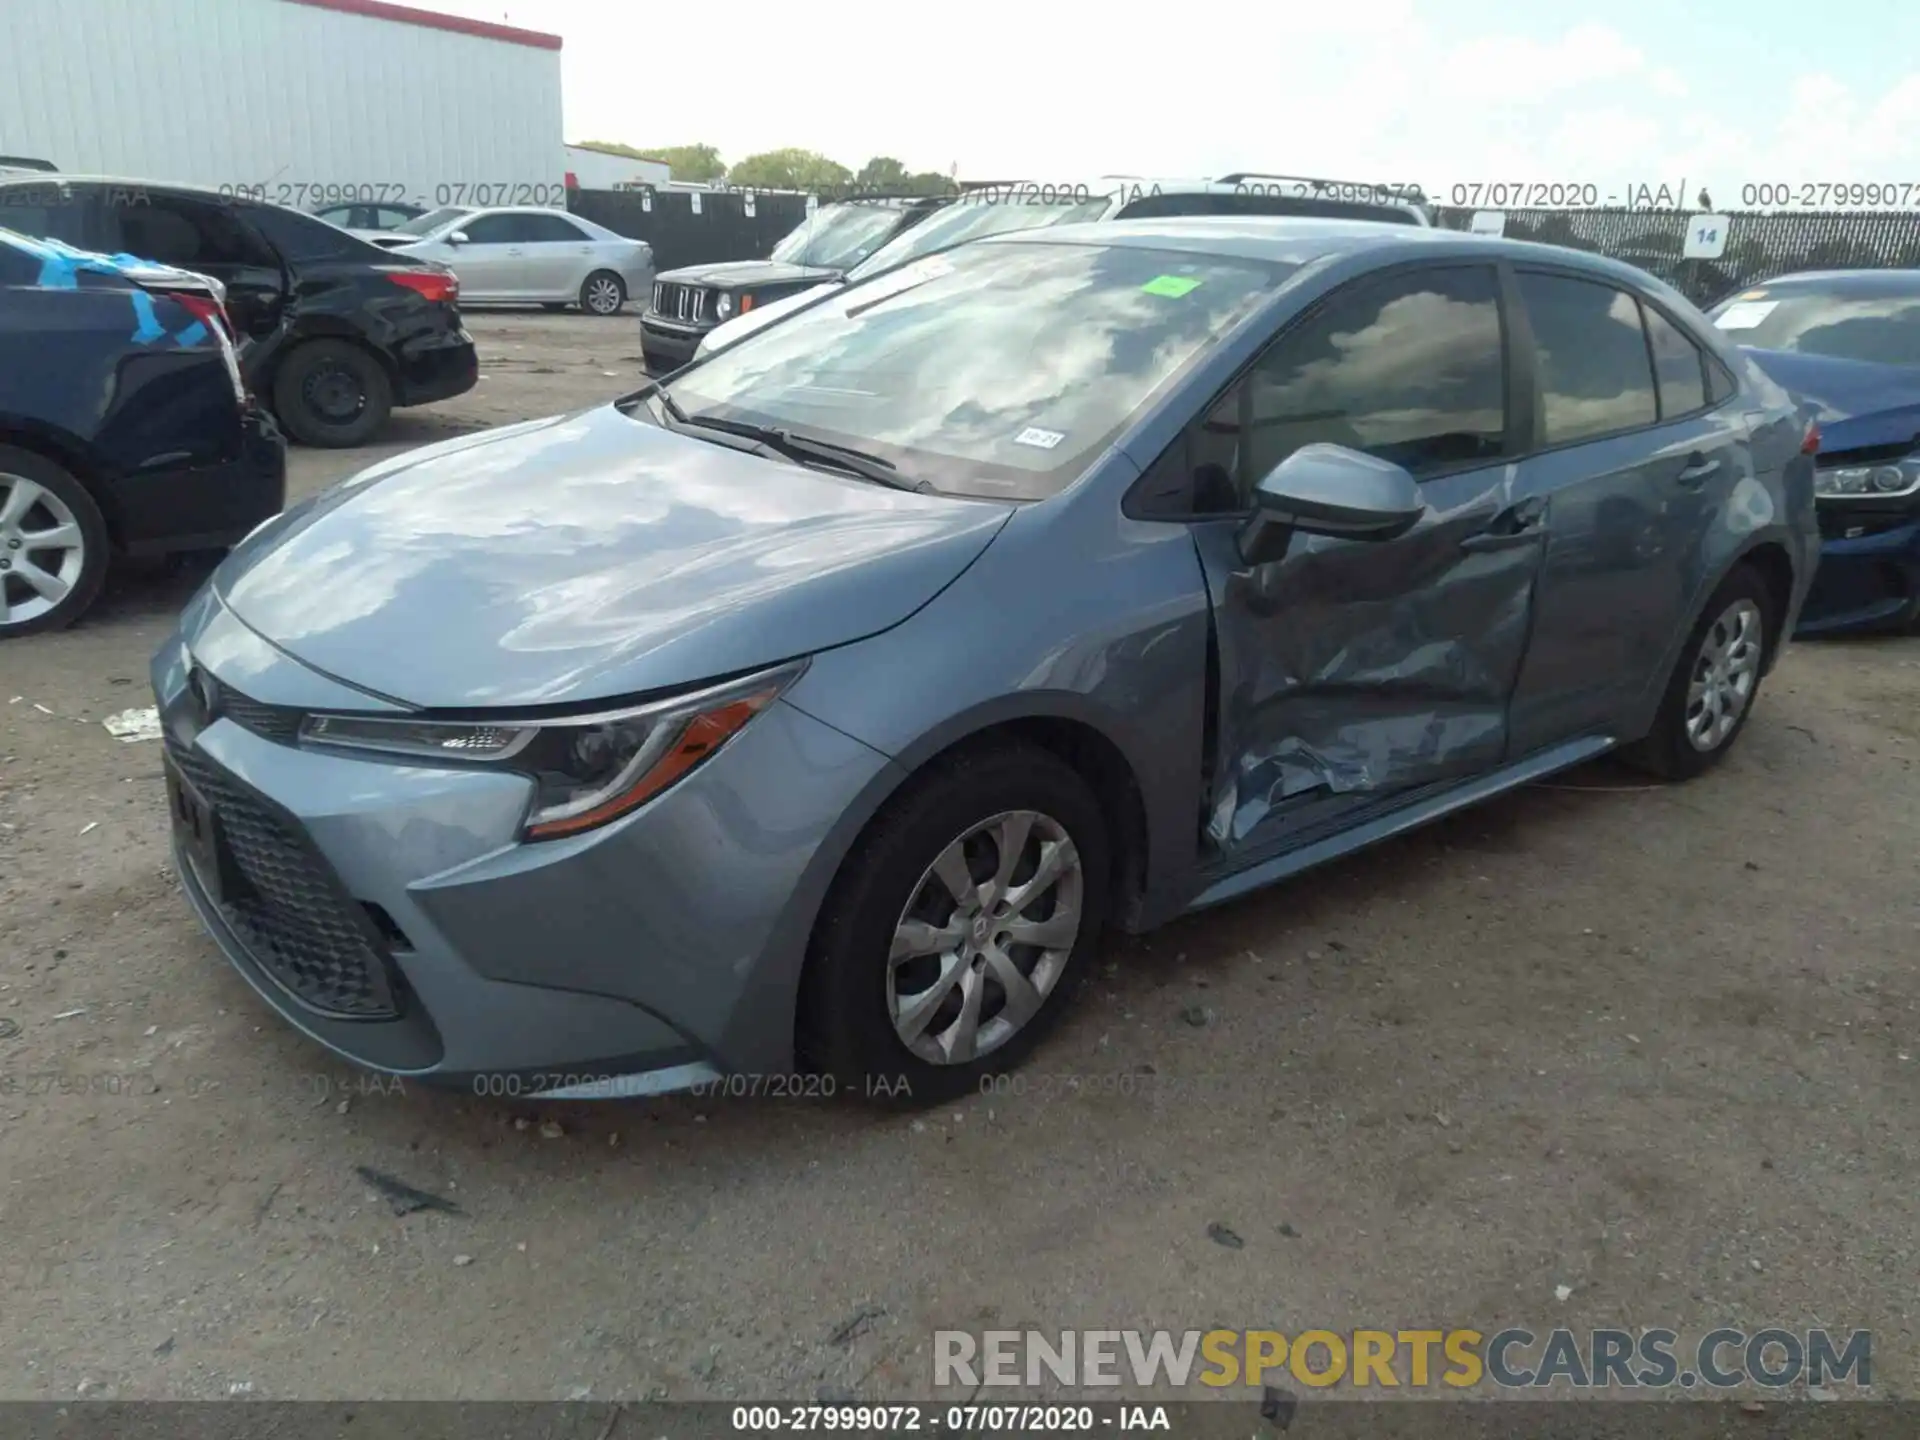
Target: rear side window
x: 1678, y: 366
x: 1595, y: 377
x: 551, y: 229
x: 45, y: 211
x: 301, y: 237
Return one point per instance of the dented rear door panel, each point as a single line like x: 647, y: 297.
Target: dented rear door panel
x: 1353, y: 672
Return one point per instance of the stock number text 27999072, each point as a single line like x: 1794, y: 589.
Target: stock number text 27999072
x: 304, y: 195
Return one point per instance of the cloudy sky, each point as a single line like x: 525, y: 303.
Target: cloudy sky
x: 1431, y: 91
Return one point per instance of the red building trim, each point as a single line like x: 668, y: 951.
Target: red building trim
x: 433, y: 20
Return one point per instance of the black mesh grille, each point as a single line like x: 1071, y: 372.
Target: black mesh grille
x: 272, y: 722
x: 289, y: 911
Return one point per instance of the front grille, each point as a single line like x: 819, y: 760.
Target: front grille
x: 270, y: 722
x: 289, y: 910
x: 688, y: 303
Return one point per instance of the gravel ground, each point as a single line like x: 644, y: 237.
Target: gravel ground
x: 1654, y: 1045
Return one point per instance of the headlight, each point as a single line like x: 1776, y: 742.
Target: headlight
x: 723, y: 305
x: 1869, y: 482
x: 586, y: 769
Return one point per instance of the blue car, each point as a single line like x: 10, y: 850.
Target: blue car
x: 1847, y: 343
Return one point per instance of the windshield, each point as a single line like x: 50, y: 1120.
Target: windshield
x: 970, y: 217
x: 431, y: 221
x: 995, y: 370
x: 838, y: 237
x: 1842, y: 323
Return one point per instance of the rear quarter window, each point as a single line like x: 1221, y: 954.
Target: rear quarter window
x: 301, y: 237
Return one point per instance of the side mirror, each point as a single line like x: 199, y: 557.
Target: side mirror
x: 458, y: 237
x: 1330, y: 490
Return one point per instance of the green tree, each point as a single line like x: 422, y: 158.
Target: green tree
x: 791, y: 169
x: 698, y: 163
x: 882, y: 172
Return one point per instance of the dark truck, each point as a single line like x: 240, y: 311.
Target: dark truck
x: 690, y: 301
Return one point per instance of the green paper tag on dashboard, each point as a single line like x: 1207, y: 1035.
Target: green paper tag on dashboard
x: 1171, y: 286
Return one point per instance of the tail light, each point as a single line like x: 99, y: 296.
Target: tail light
x: 212, y: 314
x: 1810, y: 442
x: 430, y: 284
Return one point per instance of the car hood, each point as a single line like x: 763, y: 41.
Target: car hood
x: 746, y: 274
x: 587, y: 557
x: 1859, y: 403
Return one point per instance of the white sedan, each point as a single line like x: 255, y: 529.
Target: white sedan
x: 527, y: 254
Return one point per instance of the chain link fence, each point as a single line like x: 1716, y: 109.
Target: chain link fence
x: 1760, y: 244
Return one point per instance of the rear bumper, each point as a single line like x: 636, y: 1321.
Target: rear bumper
x: 1868, y: 583
x: 435, y: 366
x: 209, y: 507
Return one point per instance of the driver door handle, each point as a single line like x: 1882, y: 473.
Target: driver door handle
x: 1521, y: 523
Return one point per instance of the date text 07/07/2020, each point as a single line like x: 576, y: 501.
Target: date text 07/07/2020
x: 482, y: 194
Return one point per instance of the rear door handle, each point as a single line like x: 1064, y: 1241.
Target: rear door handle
x: 1698, y: 470
x: 1521, y: 523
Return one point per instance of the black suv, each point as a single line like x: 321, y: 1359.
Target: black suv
x: 125, y: 426
x: 333, y: 332
x: 833, y: 239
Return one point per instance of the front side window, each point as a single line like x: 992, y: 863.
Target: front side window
x: 1595, y: 378
x: 1882, y: 328
x: 999, y: 371
x: 1411, y: 369
x: 495, y: 230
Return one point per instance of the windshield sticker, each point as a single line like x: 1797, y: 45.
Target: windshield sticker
x: 1745, y: 314
x: 1040, y: 439
x: 1171, y: 286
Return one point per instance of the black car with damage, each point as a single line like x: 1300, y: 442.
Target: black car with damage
x: 332, y: 332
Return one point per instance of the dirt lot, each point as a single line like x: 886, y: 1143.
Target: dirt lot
x: 1655, y: 1045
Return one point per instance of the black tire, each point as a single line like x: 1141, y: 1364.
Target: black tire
x: 1667, y: 750
x: 846, y: 1027
x: 332, y: 394
x: 84, y: 587
x: 595, y: 306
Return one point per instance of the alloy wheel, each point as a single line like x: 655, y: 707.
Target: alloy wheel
x: 985, y: 937
x: 43, y: 550
x: 1725, y: 672
x: 603, y: 295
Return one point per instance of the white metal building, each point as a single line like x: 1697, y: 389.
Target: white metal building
x: 298, y: 100
x: 597, y: 169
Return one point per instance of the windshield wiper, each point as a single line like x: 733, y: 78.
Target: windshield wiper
x: 860, y: 462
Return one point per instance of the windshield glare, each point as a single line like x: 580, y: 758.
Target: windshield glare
x: 1881, y: 328
x: 426, y: 224
x: 971, y: 217
x: 997, y: 370
x: 838, y: 237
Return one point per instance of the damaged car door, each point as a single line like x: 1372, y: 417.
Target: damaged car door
x: 1359, y: 669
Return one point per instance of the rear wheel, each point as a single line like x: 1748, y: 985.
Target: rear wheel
x: 1712, y: 689
x: 53, y: 545
x: 957, y: 929
x: 332, y: 393
x: 603, y: 293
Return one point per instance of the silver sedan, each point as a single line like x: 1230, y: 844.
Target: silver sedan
x: 529, y: 254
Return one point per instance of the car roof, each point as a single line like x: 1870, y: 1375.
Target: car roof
x: 1300, y: 240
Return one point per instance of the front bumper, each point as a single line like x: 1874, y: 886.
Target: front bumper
x: 668, y: 344
x: 209, y: 507
x: 435, y: 365
x: 643, y: 957
x: 1868, y: 582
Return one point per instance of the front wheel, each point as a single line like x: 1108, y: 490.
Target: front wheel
x: 958, y: 928
x: 1712, y: 689
x: 603, y: 293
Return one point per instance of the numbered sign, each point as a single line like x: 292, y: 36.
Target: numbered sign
x: 1706, y: 238
x: 1488, y: 222
x: 646, y: 198
x: 746, y: 202
x: 696, y: 202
